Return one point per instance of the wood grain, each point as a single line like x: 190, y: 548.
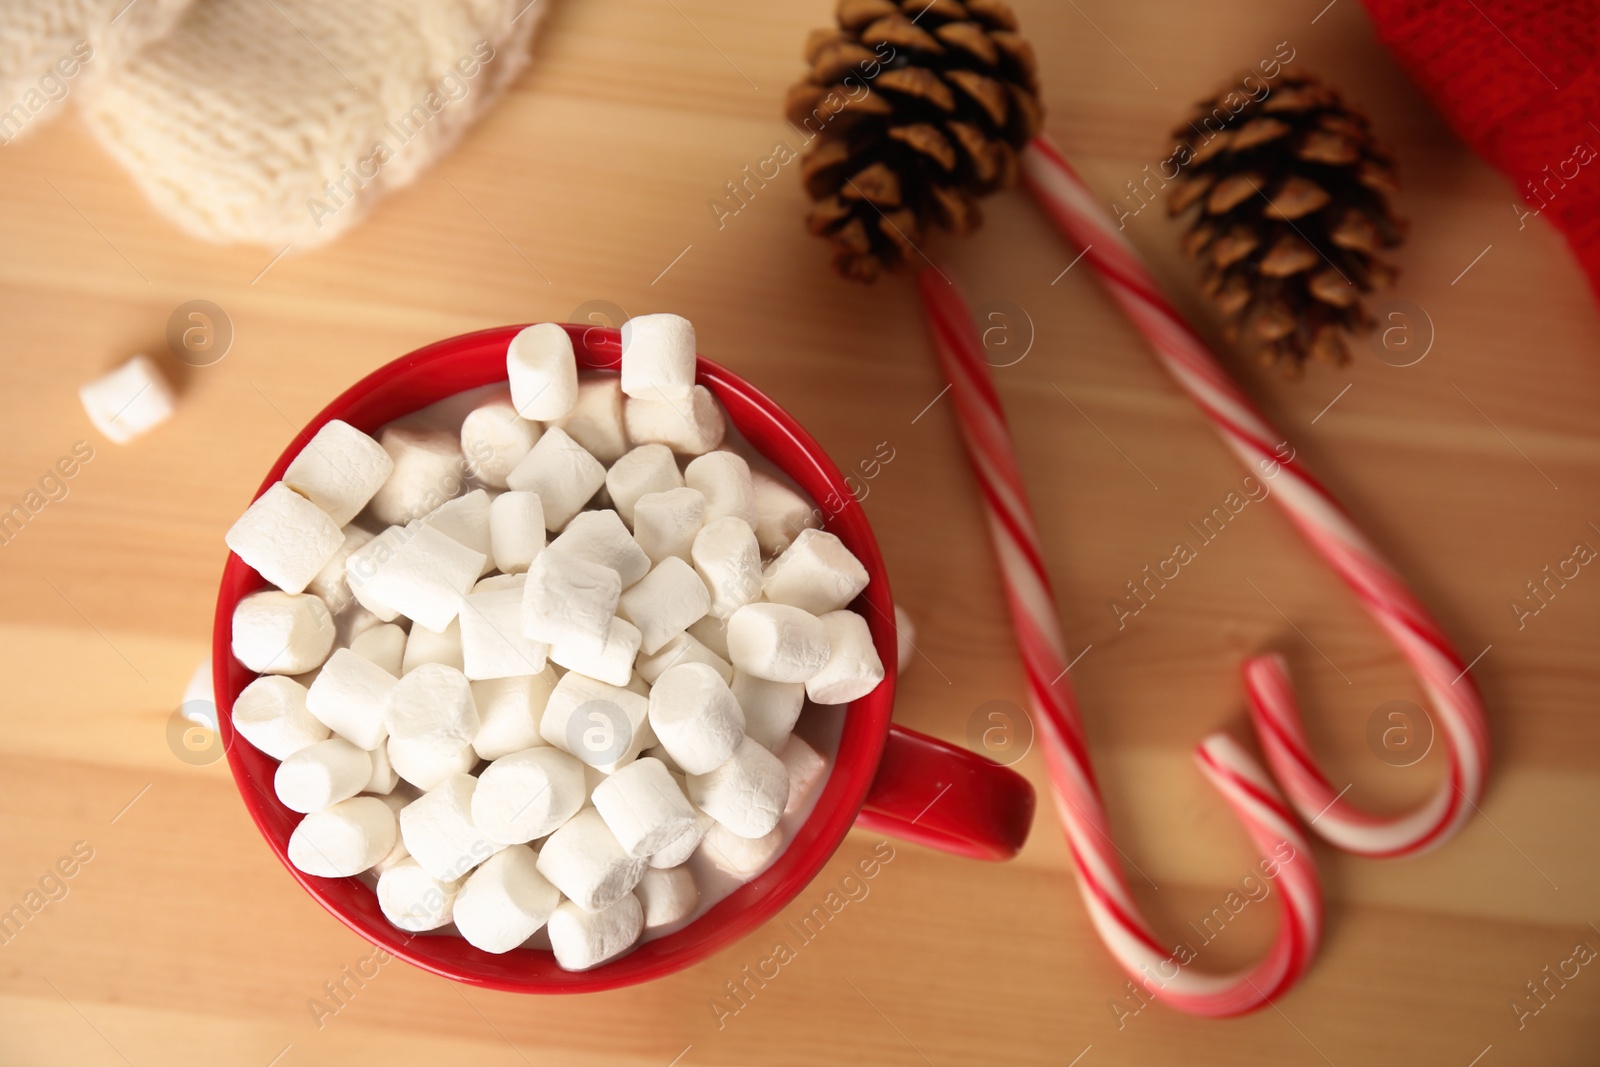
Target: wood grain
x: 182, y: 941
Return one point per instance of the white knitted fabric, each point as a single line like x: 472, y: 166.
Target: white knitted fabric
x: 282, y: 121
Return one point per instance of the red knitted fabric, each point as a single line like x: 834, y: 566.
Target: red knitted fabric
x: 1517, y: 79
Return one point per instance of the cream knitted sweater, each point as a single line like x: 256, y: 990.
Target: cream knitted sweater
x: 269, y: 121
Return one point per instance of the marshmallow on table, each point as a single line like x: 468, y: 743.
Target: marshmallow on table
x: 384, y: 779
x: 526, y: 795
x: 563, y: 473
x: 728, y: 560
x: 509, y: 710
x: 432, y: 646
x: 504, y: 901
x: 781, y: 513
x: 723, y: 478
x: 665, y: 524
x: 647, y: 469
x: 603, y: 725
x: 905, y: 632
x: 853, y: 669
x: 569, y: 600
x: 643, y: 807
x: 516, y: 530
x: 414, y: 900
x: 128, y: 401
x: 585, y: 861
x: 321, y: 775
x: 343, y: 840
x: 711, y: 632
x: 683, y: 846
x: 600, y: 537
x: 595, y: 421
x: 543, y: 370
x: 612, y: 662
x: 742, y: 857
x: 385, y: 645
x: 332, y: 584
x: 424, y: 765
x: 428, y: 470
x: 339, y: 470
x: 285, y: 537
x: 439, y: 831
x: 770, y: 708
x: 433, y: 706
x: 777, y: 642
x: 664, y: 602
x: 690, y: 426
x: 667, y: 896
x: 271, y: 714
x: 685, y: 648
x: 494, y: 438
x: 465, y: 520
x: 582, y: 940
x: 492, y: 641
x: 816, y: 573
x: 805, y: 766
x: 747, y: 793
x: 420, y: 572
x: 658, y: 357
x: 281, y: 633
x: 695, y: 717
x: 351, y: 698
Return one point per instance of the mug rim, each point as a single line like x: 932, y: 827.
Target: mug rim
x: 468, y: 361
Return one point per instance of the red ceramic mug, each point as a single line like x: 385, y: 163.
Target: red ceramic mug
x: 884, y: 777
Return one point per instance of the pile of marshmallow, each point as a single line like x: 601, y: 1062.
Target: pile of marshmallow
x: 525, y: 738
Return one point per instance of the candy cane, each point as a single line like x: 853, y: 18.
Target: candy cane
x: 1329, y: 528
x: 1164, y: 974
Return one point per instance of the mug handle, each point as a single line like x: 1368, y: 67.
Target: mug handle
x: 947, y: 797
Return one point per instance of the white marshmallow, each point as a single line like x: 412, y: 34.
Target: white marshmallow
x: 285, y: 537
x: 504, y: 901
x: 644, y: 808
x: 658, y: 356
x: 681, y: 848
x: 853, y: 669
x: 395, y: 799
x: 384, y: 779
x: 465, y: 520
x: 439, y: 831
x: 271, y: 714
x: 689, y: 426
x: 770, y: 708
x: 433, y: 706
x: 746, y: 794
x: 723, y: 478
x: 351, y: 698
x: 343, y: 840
x: 611, y: 663
x: 905, y: 632
x: 528, y: 794
x: 494, y: 438
x: 321, y: 775
x: 781, y: 513
x: 742, y: 857
x: 667, y: 896
x: 647, y: 469
x: 695, y: 717
x: 563, y: 474
x: 339, y: 470
x: 603, y: 725
x: 656, y: 752
x: 805, y: 766
x: 664, y: 602
x: 352, y: 622
x: 432, y: 646
x: 585, y: 861
x: 595, y: 421
x: 428, y: 470
x: 128, y: 401
x: 331, y: 583
x: 665, y: 524
x: 281, y: 633
x: 713, y: 633
x: 600, y: 537
x: 777, y: 642
x: 363, y: 562
x: 728, y: 560
x: 684, y: 648
x: 516, y: 530
x: 422, y: 764
x: 492, y: 642
x: 816, y: 573
x: 385, y: 645
x: 509, y: 710
x: 414, y: 900
x: 543, y: 370
x: 423, y: 578
x: 569, y: 600
x: 584, y: 940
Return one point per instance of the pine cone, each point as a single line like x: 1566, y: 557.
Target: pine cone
x: 1294, y: 207
x: 914, y: 110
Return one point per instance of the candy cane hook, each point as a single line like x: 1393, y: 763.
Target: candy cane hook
x: 1444, y: 677
x: 1242, y: 782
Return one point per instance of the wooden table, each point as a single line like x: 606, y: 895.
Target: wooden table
x: 182, y: 941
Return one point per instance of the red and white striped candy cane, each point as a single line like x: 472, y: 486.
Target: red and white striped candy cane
x: 1243, y: 783
x: 1444, y: 677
